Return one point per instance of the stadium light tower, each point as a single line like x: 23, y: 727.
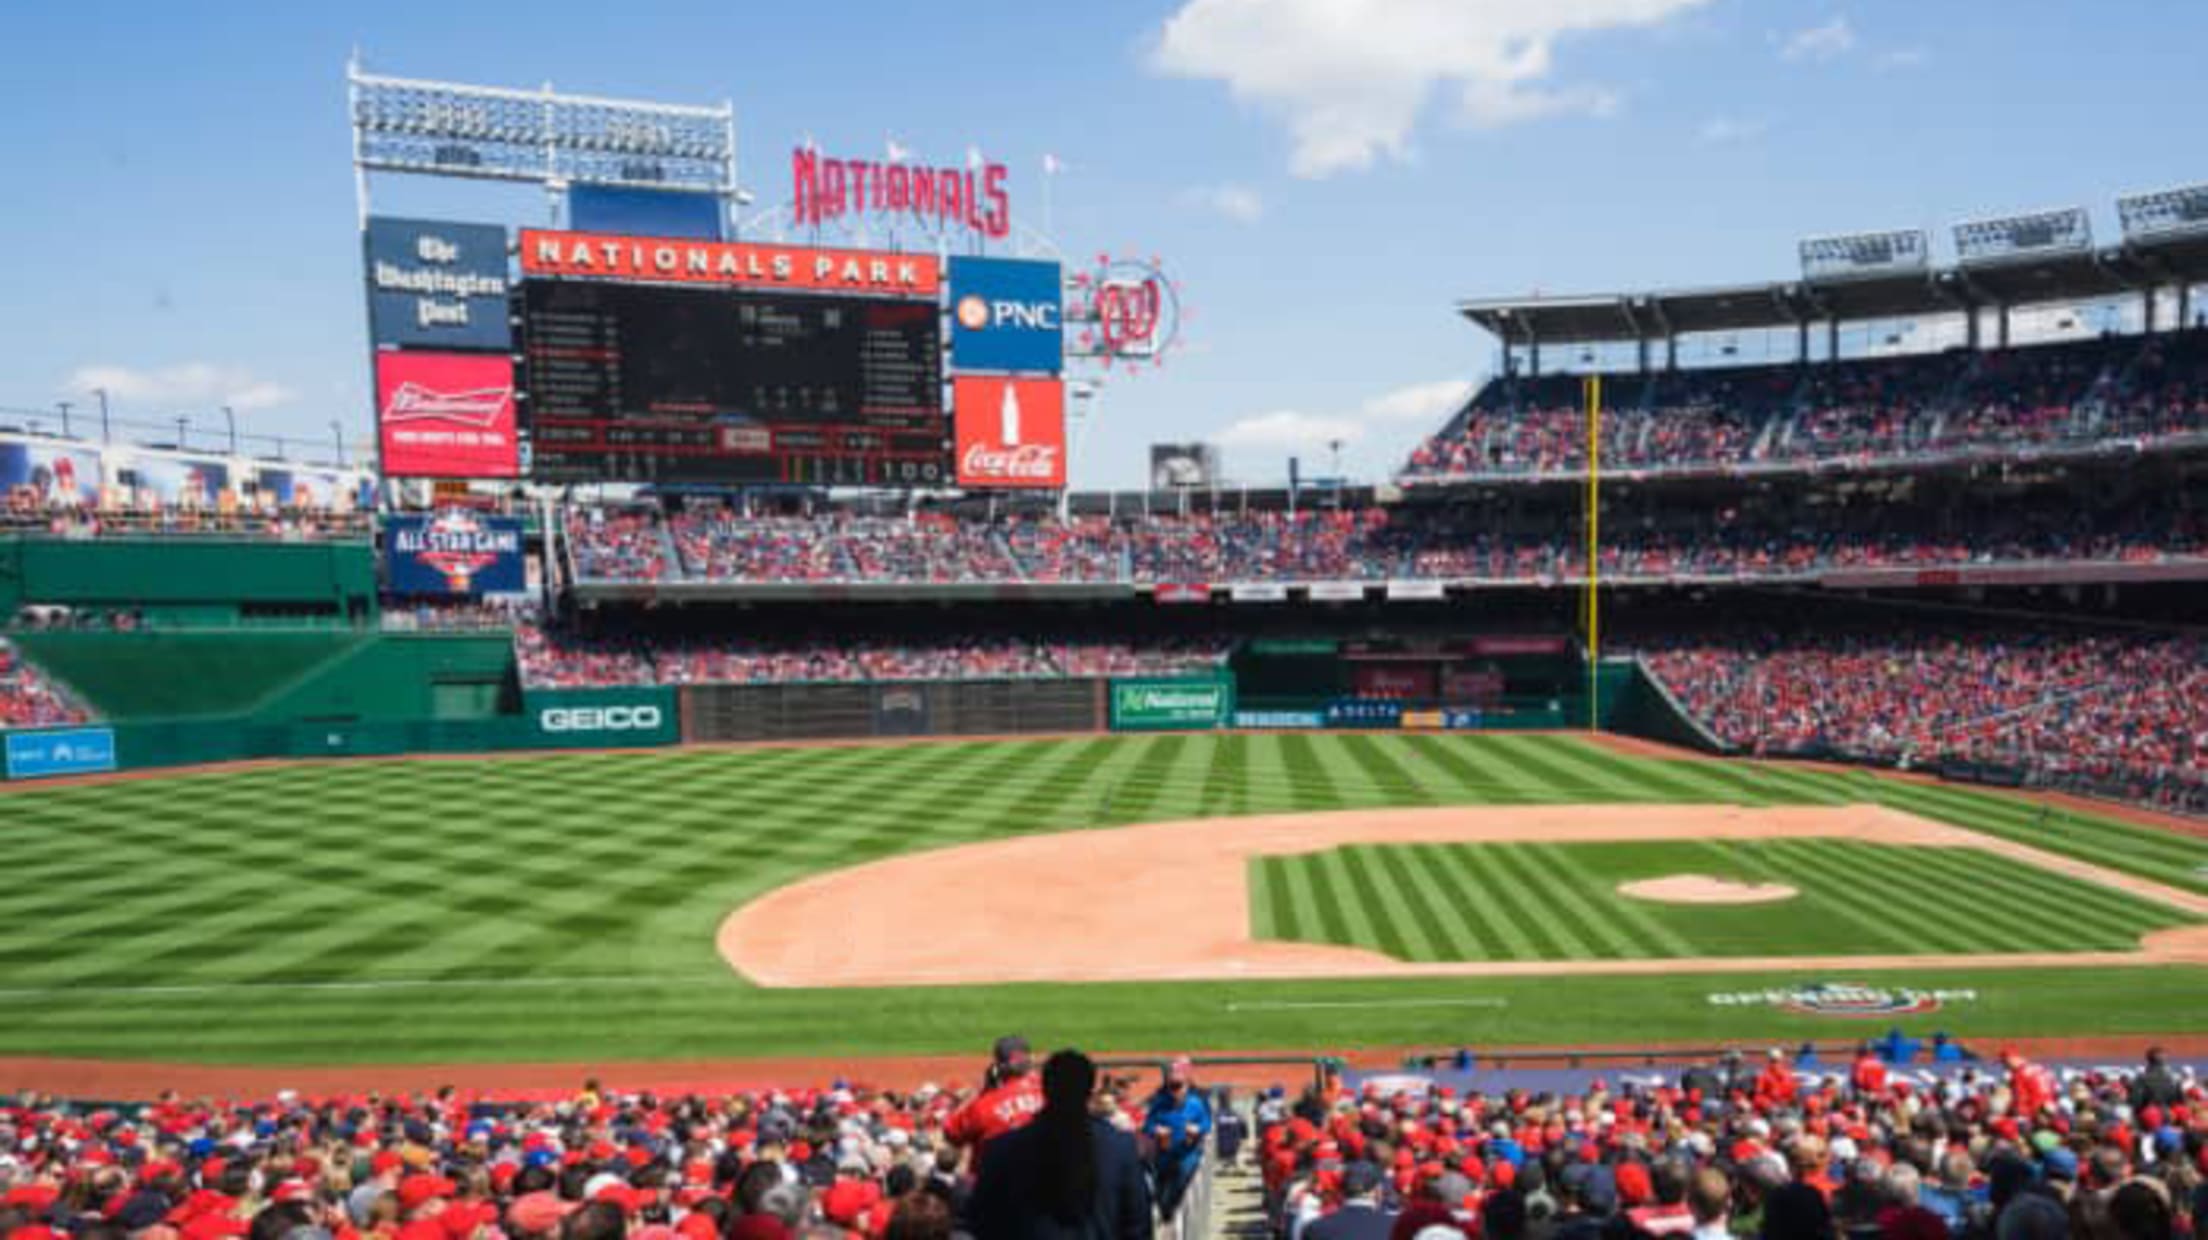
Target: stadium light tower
x: 540, y: 137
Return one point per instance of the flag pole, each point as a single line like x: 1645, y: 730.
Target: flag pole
x: 1594, y: 549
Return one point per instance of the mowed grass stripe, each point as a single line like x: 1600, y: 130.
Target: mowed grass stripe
x: 1683, y: 781
x: 1500, y: 937
x: 2163, y: 856
x: 1602, y: 913
x: 1346, y: 904
x: 1258, y: 876
x: 1391, y: 779
x: 1399, y: 935
x: 1420, y: 916
x: 1316, y: 920
x: 1455, y: 938
x: 1945, y: 926
x: 2117, y: 918
x: 1642, y: 924
x: 1547, y: 757
x: 1538, y: 896
x: 1479, y: 777
x: 1813, y: 897
x: 1307, y: 777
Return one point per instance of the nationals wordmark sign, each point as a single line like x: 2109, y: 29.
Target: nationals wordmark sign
x: 605, y: 256
x: 446, y: 415
x: 1011, y: 432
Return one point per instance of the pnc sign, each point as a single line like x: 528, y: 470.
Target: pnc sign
x: 1011, y: 433
x: 1007, y: 314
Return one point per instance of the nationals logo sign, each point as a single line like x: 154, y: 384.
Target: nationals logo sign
x: 446, y: 415
x: 1011, y: 432
x: 1129, y: 309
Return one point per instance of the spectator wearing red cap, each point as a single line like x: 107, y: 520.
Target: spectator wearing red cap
x: 1655, y: 1198
x: 384, y: 1170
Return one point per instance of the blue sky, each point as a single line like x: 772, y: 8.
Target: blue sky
x: 1324, y: 177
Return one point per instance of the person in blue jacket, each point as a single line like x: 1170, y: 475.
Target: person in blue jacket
x: 1177, y: 1123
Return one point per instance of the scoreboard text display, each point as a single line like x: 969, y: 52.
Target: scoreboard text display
x: 637, y: 382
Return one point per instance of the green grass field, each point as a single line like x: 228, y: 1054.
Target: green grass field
x: 1560, y: 902
x: 562, y: 908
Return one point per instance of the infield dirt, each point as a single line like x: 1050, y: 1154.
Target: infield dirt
x: 1170, y: 901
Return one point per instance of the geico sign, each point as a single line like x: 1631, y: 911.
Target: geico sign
x: 599, y: 718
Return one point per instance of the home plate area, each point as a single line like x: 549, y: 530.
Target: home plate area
x: 1462, y: 891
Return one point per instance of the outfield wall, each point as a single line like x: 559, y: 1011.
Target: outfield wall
x: 189, y: 580
x: 854, y: 712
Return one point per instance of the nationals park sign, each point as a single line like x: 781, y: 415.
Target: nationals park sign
x: 1164, y: 705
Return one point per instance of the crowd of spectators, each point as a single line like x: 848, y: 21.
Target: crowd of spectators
x: 551, y: 657
x: 1882, y: 1147
x: 1376, y: 543
x: 1958, y: 402
x: 1785, y: 1150
x: 26, y: 514
x: 27, y: 698
x: 2122, y: 714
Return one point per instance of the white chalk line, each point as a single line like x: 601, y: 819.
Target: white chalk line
x: 370, y: 984
x: 1327, y: 1005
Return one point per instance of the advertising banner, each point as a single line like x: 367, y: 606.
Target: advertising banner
x: 1361, y: 713
x: 181, y: 482
x: 1520, y: 645
x: 1415, y: 591
x: 613, y: 256
x: 901, y: 710
x: 1011, y: 432
x: 446, y: 415
x: 1337, y: 591
x: 1182, y: 592
x: 1007, y: 314
x: 454, y: 552
x: 1279, y: 719
x: 1423, y: 720
x: 53, y: 475
x: 602, y: 718
x: 1155, y: 705
x: 1260, y: 592
x: 1414, y: 680
x: 1461, y: 719
x: 73, y: 751
x: 437, y: 284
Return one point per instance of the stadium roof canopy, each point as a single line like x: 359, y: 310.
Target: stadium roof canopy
x: 2177, y: 258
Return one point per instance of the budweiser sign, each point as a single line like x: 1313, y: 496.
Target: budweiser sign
x: 413, y: 402
x: 446, y: 415
x: 1011, y: 432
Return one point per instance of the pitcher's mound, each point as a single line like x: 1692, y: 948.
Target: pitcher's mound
x: 1702, y: 889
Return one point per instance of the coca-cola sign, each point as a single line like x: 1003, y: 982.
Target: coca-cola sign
x: 446, y: 415
x: 1011, y: 432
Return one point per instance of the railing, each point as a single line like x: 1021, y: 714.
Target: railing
x: 1643, y: 1056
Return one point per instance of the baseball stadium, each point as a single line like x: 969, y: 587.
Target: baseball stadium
x: 696, y: 761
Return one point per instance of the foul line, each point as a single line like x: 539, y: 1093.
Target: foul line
x: 1290, y: 1005
x: 396, y: 983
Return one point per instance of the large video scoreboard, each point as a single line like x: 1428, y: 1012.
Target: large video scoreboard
x: 665, y: 383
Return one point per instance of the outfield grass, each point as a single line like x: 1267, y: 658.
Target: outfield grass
x: 1533, y: 901
x: 563, y: 907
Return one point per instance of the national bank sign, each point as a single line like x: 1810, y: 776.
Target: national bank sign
x: 437, y: 284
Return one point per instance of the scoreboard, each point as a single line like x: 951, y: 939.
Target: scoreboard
x: 650, y: 383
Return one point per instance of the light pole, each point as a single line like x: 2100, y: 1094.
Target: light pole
x: 101, y: 392
x: 64, y: 405
x: 230, y: 419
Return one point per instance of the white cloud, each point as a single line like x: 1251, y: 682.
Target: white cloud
x: 1729, y: 130
x: 1821, y: 42
x: 1901, y: 59
x: 1350, y: 78
x: 1420, y: 402
x: 1288, y: 428
x: 1239, y: 203
x: 185, y: 385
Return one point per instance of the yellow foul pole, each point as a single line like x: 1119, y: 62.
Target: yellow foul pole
x: 1594, y: 545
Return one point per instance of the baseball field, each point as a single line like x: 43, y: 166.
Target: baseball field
x: 1306, y: 892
